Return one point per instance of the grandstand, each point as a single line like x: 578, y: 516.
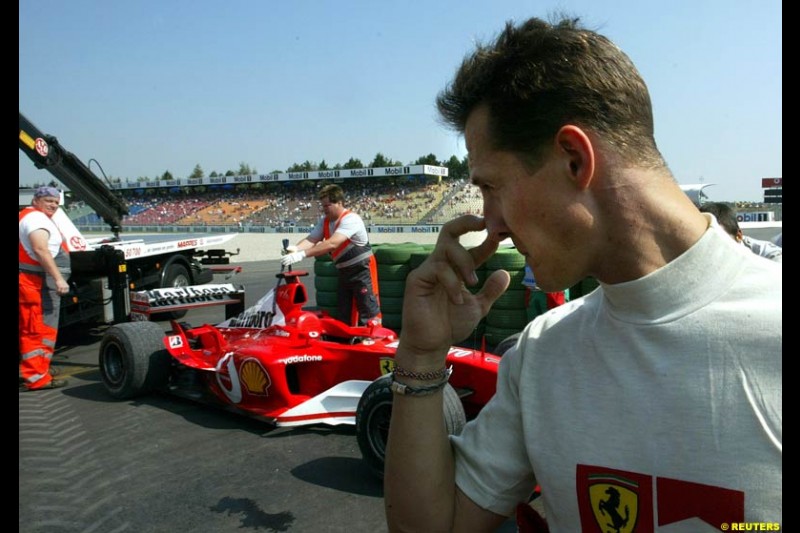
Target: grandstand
x: 411, y: 195
x: 463, y: 198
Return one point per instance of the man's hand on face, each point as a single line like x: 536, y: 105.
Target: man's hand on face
x: 438, y: 310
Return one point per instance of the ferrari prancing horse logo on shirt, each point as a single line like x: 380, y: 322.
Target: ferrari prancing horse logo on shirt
x: 616, y: 501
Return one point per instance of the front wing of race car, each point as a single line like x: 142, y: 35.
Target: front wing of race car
x: 335, y: 406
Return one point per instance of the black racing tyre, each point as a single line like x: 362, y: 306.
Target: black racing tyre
x: 133, y: 359
x: 176, y: 275
x: 507, y: 343
x: 375, y: 411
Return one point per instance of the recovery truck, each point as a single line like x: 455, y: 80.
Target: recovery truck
x: 106, y: 270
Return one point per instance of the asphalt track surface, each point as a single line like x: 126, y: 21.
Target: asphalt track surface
x: 89, y: 463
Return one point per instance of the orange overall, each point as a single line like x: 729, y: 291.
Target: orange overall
x: 39, y: 306
x: 356, y: 291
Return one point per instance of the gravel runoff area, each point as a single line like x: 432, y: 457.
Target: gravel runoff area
x: 267, y: 246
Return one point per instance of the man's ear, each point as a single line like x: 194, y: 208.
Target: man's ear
x: 578, y: 153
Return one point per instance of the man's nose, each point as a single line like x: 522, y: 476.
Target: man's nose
x: 495, y: 223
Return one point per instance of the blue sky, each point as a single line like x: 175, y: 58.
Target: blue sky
x: 149, y: 86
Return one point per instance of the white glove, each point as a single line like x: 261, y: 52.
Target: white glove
x: 291, y: 248
x: 290, y: 259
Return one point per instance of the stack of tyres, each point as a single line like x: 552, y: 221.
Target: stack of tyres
x: 417, y: 258
x: 583, y: 287
x: 393, y: 268
x: 476, y: 336
x: 326, y: 283
x: 508, y: 315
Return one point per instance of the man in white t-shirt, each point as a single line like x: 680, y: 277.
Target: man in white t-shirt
x: 43, y: 270
x: 726, y: 217
x: 342, y: 233
x: 654, y: 403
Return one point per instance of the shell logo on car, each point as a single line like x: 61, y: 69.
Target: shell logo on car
x: 255, y: 378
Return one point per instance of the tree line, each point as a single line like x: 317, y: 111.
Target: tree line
x: 458, y: 168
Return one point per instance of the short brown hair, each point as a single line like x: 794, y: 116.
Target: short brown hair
x: 332, y: 192
x: 536, y: 77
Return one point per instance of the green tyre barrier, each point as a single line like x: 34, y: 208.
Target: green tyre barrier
x: 391, y: 289
x: 391, y: 305
x: 392, y: 320
x: 513, y: 298
x: 417, y: 258
x: 327, y: 299
x: 325, y: 268
x: 326, y: 283
x: 516, y: 279
x: 515, y: 319
x: 392, y: 272
x: 396, y: 254
x: 506, y: 258
x: 495, y: 335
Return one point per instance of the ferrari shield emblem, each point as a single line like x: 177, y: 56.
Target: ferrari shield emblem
x: 387, y: 365
x: 613, y: 501
x: 615, y: 506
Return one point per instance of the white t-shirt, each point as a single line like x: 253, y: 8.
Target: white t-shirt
x: 351, y: 227
x: 771, y: 251
x: 658, y: 400
x: 38, y: 220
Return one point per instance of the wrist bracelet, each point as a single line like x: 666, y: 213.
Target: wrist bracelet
x: 421, y: 376
x: 407, y: 390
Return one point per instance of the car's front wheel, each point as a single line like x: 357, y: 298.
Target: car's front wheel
x: 374, y: 413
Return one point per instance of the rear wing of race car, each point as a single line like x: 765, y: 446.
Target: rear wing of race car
x: 144, y: 304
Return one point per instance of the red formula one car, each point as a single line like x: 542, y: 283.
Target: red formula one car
x: 286, y: 365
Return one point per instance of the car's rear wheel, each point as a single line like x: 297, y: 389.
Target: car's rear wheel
x: 133, y: 359
x: 374, y: 413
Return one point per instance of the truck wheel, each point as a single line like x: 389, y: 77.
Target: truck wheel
x: 374, y: 412
x: 133, y: 359
x: 176, y: 276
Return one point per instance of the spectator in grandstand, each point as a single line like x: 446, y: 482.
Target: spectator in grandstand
x: 341, y: 233
x: 43, y: 271
x: 726, y: 217
x: 656, y: 383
